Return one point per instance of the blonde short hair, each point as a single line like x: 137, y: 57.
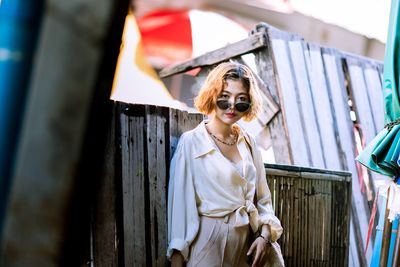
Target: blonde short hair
x: 215, y: 83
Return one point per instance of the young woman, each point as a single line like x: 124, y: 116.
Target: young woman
x: 218, y: 190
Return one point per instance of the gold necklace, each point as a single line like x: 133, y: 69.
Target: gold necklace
x: 220, y: 140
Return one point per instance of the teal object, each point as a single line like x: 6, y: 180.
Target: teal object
x: 19, y: 27
x: 382, y: 154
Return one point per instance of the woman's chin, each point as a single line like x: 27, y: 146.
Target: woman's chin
x: 230, y: 121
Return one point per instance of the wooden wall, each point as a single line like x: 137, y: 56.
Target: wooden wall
x: 128, y: 226
x: 143, y: 139
x: 315, y: 89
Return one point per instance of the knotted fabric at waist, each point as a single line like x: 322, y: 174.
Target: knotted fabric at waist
x: 243, y: 215
x: 247, y: 214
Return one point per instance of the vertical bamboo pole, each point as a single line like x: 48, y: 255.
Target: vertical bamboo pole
x: 387, y: 232
x: 396, y: 252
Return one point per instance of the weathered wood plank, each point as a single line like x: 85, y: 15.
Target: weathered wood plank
x: 267, y: 72
x: 133, y: 186
x: 341, y: 109
x: 253, y: 42
x: 373, y: 82
x: 266, y: 68
x: 353, y: 257
x: 360, y: 99
x: 269, y: 107
x: 292, y: 223
x: 180, y: 122
x: 289, y: 105
x: 359, y: 236
x: 372, y: 74
x: 161, y: 186
x: 280, y: 146
x: 151, y: 143
x: 335, y: 76
x: 311, y: 130
x: 103, y: 247
x: 346, y: 223
x: 306, y: 222
x: 156, y: 121
x: 326, y: 121
x: 298, y: 171
x: 363, y: 109
x: 328, y: 194
x: 301, y: 221
x: 311, y: 236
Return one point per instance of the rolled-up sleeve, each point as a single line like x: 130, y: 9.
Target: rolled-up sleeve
x: 183, y: 218
x: 266, y: 214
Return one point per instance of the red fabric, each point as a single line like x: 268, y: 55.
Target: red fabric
x: 167, y: 34
x: 371, y: 221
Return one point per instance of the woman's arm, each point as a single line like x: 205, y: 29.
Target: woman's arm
x: 266, y: 232
x: 266, y: 212
x: 183, y: 218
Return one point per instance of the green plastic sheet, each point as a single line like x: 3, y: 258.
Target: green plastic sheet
x: 382, y: 154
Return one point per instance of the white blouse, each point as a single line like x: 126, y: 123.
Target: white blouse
x: 203, y: 182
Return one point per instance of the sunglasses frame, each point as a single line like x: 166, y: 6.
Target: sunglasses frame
x: 229, y: 105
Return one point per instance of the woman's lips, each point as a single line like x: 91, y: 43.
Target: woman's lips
x: 230, y: 115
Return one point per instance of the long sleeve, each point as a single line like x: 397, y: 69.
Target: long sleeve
x: 264, y: 202
x: 183, y: 218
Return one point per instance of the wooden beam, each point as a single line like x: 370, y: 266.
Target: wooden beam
x: 266, y: 68
x: 134, y: 186
x: 253, y: 42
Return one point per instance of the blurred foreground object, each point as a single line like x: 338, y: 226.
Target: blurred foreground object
x: 19, y: 25
x: 382, y: 154
x: 135, y: 81
x: 46, y: 211
x: 171, y: 36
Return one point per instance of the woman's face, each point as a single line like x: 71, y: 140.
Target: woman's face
x: 234, y: 92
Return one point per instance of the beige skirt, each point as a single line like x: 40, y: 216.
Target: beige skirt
x: 219, y: 243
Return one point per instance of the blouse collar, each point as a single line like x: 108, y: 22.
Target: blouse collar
x: 202, y: 141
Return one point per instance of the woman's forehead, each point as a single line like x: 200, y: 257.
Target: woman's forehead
x: 235, y: 87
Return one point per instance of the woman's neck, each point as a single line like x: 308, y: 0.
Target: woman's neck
x: 220, y: 128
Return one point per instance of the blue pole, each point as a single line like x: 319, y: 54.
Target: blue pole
x: 376, y: 254
x: 19, y: 25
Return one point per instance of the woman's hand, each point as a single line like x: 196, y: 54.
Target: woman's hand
x: 176, y: 259
x: 259, y: 247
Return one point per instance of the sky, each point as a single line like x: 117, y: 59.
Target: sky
x: 367, y: 17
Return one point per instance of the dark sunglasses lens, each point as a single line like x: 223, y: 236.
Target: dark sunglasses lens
x: 242, y: 106
x: 223, y: 104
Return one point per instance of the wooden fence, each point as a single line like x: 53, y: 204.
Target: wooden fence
x: 315, y: 90
x: 129, y: 226
x: 314, y: 208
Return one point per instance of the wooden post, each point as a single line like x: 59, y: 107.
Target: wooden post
x: 268, y: 73
x: 387, y: 232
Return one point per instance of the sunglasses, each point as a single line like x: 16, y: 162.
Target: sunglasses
x: 239, y: 106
